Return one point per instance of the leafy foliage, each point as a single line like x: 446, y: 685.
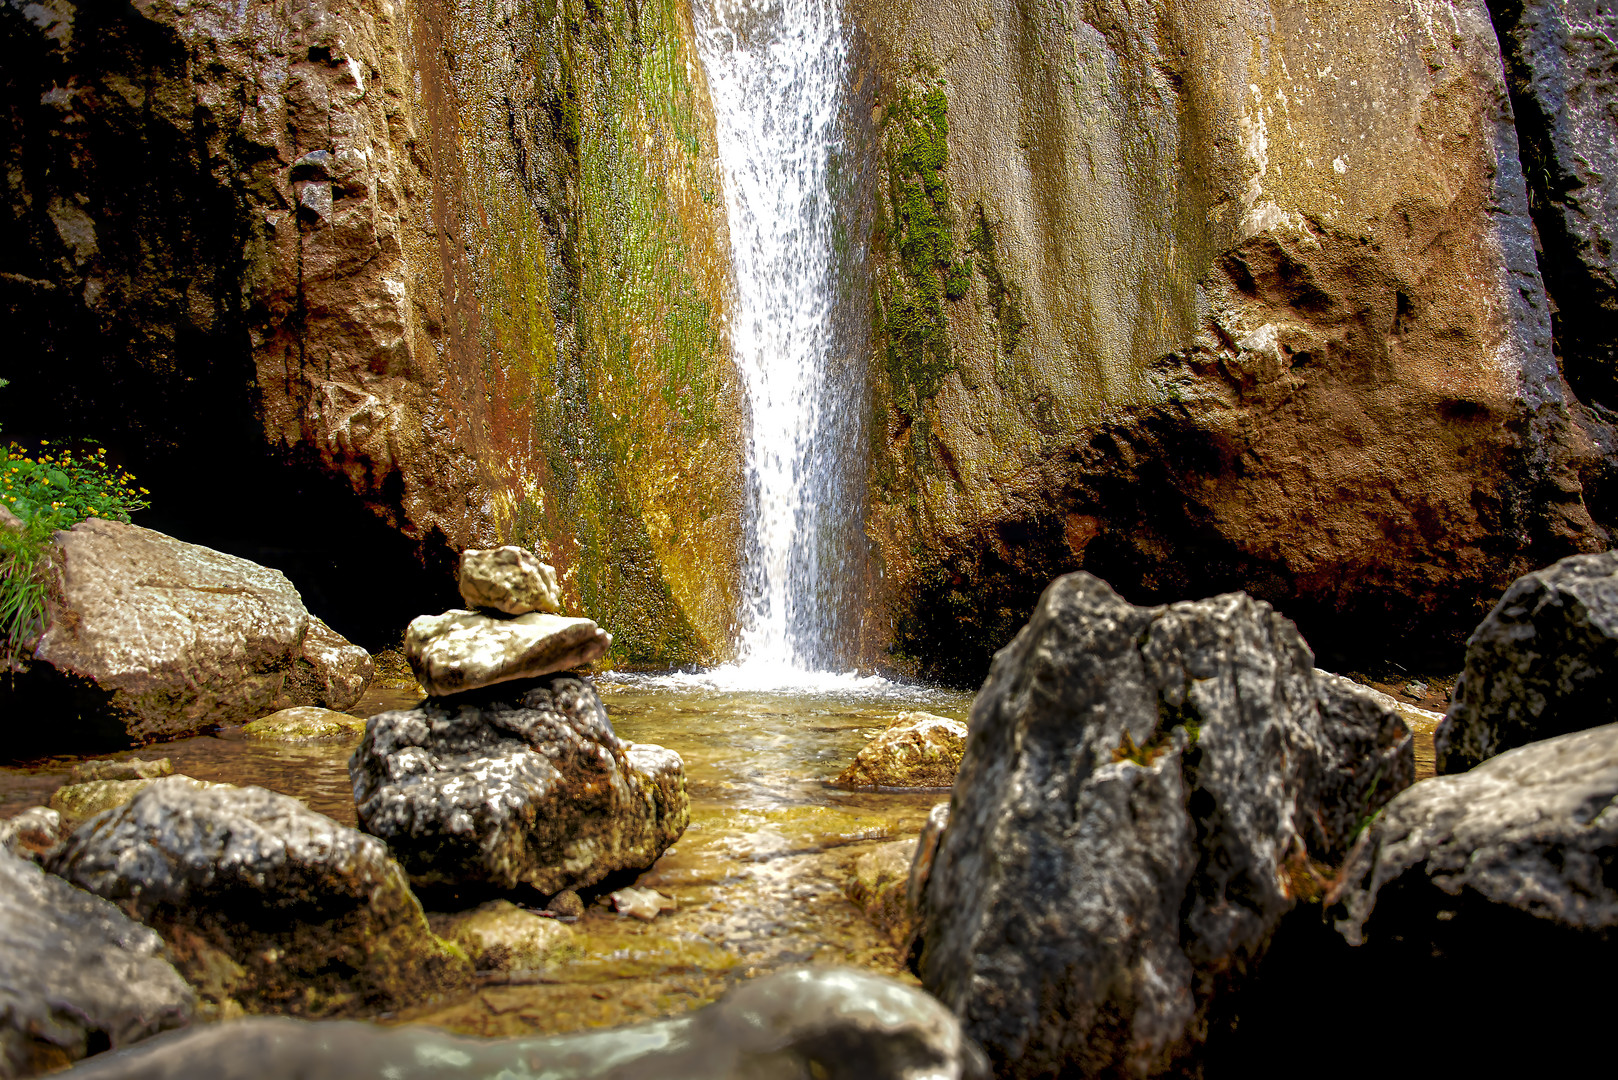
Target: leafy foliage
x: 53, y: 487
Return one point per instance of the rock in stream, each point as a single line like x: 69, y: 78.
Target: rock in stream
x: 820, y: 1023
x: 1144, y: 794
x: 508, y: 787
x: 265, y: 904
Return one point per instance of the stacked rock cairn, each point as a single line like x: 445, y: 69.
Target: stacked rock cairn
x: 509, y: 776
x: 515, y: 629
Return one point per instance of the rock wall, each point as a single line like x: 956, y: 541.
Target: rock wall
x: 467, y: 258
x: 1204, y: 296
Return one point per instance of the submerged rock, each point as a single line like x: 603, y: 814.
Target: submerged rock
x: 32, y: 834
x: 124, y: 769
x: 879, y: 885
x: 76, y: 974
x: 516, y: 786
x: 462, y: 650
x: 263, y: 902
x: 1535, y: 829
x: 509, y: 579
x: 162, y: 638
x: 1544, y: 662
x: 917, y: 749
x: 820, y: 1022
x: 1144, y: 795
x: 500, y: 936
x: 305, y: 723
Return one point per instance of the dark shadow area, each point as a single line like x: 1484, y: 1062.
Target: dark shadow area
x: 1444, y: 986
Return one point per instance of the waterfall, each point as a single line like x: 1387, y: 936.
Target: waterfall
x: 776, y: 70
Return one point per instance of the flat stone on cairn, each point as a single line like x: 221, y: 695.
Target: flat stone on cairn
x: 462, y: 650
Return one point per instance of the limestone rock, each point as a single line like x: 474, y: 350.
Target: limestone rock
x: 330, y: 670
x: 806, y: 1022
x: 643, y: 904
x: 1542, y: 663
x: 76, y: 974
x: 917, y: 750
x: 516, y: 786
x: 462, y: 650
x: 1145, y: 793
x: 163, y: 638
x: 878, y: 885
x: 32, y: 834
x: 305, y: 723
x: 1562, y: 66
x: 263, y: 902
x: 500, y: 936
x: 509, y: 579
x: 120, y: 769
x: 1228, y: 352
x: 1535, y: 828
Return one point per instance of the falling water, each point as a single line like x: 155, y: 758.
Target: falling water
x: 776, y: 70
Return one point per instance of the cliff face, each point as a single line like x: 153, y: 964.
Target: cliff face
x: 468, y: 258
x: 1203, y: 296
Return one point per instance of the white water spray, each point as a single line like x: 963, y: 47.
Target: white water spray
x: 776, y: 70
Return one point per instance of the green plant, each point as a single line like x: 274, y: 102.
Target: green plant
x: 51, y: 488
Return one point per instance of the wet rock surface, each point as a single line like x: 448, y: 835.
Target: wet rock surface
x: 1145, y: 794
x: 462, y: 650
x: 918, y: 750
x: 157, y: 638
x: 1535, y: 829
x: 76, y: 974
x: 524, y: 786
x: 500, y: 936
x: 32, y: 834
x: 830, y: 1023
x: 1561, y: 63
x: 1544, y: 662
x: 509, y: 579
x: 305, y: 723
x: 80, y: 802
x: 132, y: 768
x: 265, y: 905
x: 879, y: 885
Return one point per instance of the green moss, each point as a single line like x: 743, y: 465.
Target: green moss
x: 917, y: 230
x: 1004, y: 296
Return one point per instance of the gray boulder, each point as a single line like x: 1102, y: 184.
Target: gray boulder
x: 264, y: 903
x: 32, y: 834
x: 170, y: 638
x: 1544, y: 662
x: 1145, y: 793
x: 462, y: 650
x: 76, y: 974
x: 1535, y: 829
x: 514, y: 786
x: 509, y: 579
x: 825, y: 1023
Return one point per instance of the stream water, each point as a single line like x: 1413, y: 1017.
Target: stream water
x: 758, y: 876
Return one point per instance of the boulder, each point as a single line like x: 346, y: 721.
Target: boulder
x: 878, y: 884
x: 516, y: 786
x: 1534, y: 828
x: 1544, y: 662
x: 509, y: 579
x: 1144, y: 794
x: 826, y: 1022
x: 264, y: 903
x: 32, y: 834
x: 1561, y: 60
x: 305, y: 723
x: 76, y: 974
x: 160, y: 638
x: 500, y: 936
x: 123, y: 769
x: 918, y: 749
x: 330, y: 670
x: 462, y: 650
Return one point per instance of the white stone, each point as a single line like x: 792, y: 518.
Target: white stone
x: 462, y: 650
